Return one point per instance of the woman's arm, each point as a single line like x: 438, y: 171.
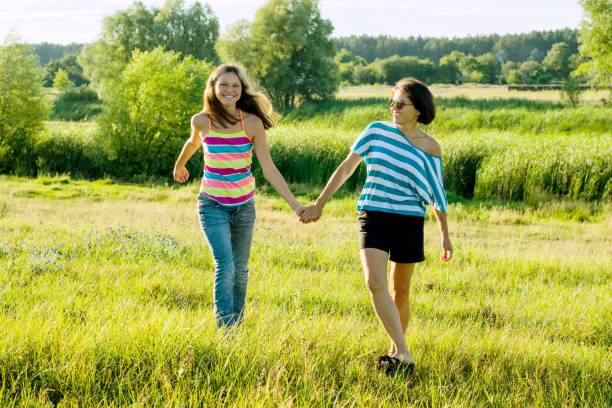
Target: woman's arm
x: 198, y: 122
x: 445, y: 238
x: 270, y: 172
x: 341, y: 174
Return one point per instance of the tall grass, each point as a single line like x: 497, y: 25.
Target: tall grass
x: 462, y: 114
x: 77, y: 104
x: 498, y: 148
x: 106, y: 300
x: 488, y: 164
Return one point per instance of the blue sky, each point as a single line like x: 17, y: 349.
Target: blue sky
x: 65, y: 21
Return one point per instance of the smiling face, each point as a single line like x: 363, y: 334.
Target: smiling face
x: 402, y: 109
x: 228, y: 89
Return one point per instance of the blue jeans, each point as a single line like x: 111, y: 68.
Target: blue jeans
x: 229, y: 232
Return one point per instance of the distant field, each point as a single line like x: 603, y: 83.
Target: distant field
x: 469, y: 91
x: 106, y: 300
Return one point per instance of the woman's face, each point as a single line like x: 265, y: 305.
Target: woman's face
x: 402, y: 109
x: 228, y: 88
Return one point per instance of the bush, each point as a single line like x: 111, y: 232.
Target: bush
x: 77, y: 104
x: 71, y: 151
x: 23, y: 108
x: 148, y: 115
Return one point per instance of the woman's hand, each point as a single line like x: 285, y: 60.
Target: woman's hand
x: 448, y: 249
x: 181, y: 174
x: 298, y: 210
x: 311, y: 214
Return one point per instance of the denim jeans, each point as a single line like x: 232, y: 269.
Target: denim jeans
x: 229, y: 232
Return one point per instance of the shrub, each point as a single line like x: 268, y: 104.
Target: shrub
x: 23, y: 108
x: 76, y: 104
x: 148, y: 116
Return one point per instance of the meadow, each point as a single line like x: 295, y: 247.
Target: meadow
x: 106, y: 301
x: 106, y: 285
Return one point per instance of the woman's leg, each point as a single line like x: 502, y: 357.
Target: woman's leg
x: 215, y: 222
x: 374, y: 262
x: 243, y: 221
x: 401, y: 276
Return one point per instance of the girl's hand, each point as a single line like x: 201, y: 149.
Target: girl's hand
x: 448, y: 249
x: 311, y: 214
x: 181, y: 174
x: 298, y: 210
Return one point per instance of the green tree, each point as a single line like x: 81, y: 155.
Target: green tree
x: 557, y: 61
x: 188, y: 30
x: 148, y: 117
x: 532, y: 72
x: 61, y: 82
x: 288, y: 50
x: 448, y: 68
x: 394, y: 68
x: 595, y: 38
x: 22, y: 106
x: 347, y: 63
x: 471, y: 69
x: 510, y: 68
x: 514, y: 77
x: 68, y: 64
x: 365, y: 75
x: 489, y: 66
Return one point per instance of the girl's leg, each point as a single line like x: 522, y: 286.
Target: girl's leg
x: 401, y: 276
x: 215, y: 222
x: 374, y: 262
x: 243, y: 221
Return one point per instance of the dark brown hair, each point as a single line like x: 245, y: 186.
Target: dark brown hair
x: 421, y: 98
x: 250, y: 100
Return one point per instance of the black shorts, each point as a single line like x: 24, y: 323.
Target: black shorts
x: 401, y: 236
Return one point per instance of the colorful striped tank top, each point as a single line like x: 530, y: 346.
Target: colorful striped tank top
x: 227, y: 167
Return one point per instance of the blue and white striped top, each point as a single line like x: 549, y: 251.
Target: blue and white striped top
x: 402, y: 178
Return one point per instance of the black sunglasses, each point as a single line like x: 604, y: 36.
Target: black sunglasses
x: 399, y: 105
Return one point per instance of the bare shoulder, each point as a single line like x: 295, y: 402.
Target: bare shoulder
x: 429, y: 144
x: 252, y: 120
x: 200, y: 121
x: 253, y: 124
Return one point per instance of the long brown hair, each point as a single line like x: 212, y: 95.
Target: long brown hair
x: 250, y: 100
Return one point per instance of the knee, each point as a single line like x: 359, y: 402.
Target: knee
x: 376, y: 286
x: 401, y: 293
x: 224, y: 265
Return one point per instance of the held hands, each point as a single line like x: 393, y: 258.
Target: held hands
x: 311, y: 214
x: 448, y: 249
x: 181, y: 174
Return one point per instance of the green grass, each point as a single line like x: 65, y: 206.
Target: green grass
x: 106, y: 300
x: 472, y: 91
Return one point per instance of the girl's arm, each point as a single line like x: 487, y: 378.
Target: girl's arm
x: 341, y: 174
x: 270, y: 172
x: 445, y: 238
x: 199, y: 122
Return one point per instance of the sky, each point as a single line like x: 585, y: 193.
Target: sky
x: 80, y: 21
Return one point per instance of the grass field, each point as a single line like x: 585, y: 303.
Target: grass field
x: 106, y: 300
x: 472, y: 91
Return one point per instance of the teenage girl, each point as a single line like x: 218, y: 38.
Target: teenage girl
x: 232, y: 125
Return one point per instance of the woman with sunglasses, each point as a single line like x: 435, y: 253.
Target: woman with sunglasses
x: 404, y: 176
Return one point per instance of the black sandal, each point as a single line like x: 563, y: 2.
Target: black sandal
x: 392, y: 365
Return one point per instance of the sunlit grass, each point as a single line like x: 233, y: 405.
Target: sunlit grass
x: 106, y: 299
x: 472, y: 91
